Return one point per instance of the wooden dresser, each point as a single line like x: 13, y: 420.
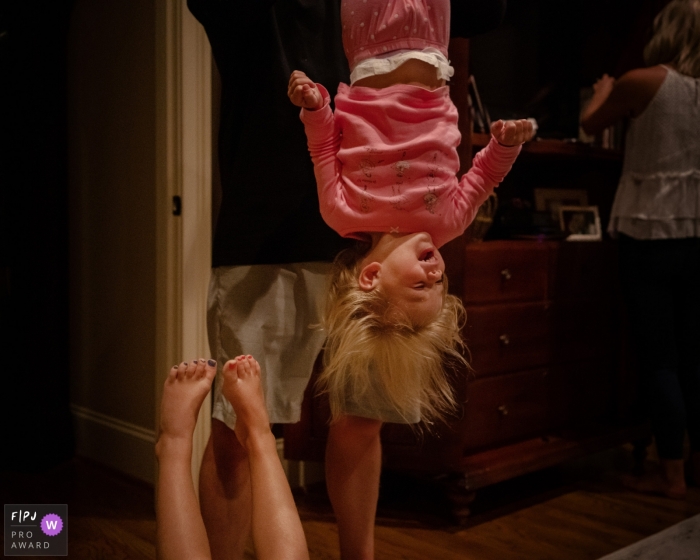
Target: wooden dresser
x: 548, y: 383
x: 542, y: 331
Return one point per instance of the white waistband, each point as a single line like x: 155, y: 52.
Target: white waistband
x: 383, y: 64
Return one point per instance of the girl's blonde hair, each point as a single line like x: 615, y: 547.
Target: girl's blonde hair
x: 376, y: 356
x: 676, y: 38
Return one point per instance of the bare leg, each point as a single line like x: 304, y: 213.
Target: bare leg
x: 180, y: 530
x: 353, y: 466
x: 224, y: 493
x: 277, y: 530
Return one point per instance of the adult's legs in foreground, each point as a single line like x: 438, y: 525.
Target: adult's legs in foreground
x: 263, y: 310
x: 277, y: 530
x: 180, y: 532
x: 224, y: 492
x: 353, y: 466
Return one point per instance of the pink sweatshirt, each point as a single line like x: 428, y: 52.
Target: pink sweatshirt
x: 386, y: 161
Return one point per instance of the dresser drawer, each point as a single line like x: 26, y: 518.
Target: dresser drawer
x: 537, y: 402
x: 499, y: 272
x: 502, y: 409
x: 511, y: 337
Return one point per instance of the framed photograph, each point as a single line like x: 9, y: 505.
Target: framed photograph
x: 580, y: 223
x: 551, y: 200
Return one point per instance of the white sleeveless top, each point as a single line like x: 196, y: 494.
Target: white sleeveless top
x: 659, y: 192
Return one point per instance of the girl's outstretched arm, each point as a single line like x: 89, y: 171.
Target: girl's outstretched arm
x: 491, y: 165
x: 323, y: 138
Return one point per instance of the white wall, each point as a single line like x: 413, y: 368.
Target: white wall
x: 112, y: 151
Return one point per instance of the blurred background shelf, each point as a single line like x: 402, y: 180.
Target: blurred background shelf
x: 555, y: 148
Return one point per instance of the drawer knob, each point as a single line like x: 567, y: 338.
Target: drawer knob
x: 505, y: 339
x: 505, y: 274
x: 503, y: 409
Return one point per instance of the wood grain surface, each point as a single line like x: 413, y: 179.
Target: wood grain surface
x: 576, y: 511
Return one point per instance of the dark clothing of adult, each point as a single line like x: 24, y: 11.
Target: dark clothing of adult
x: 660, y: 278
x: 269, y: 210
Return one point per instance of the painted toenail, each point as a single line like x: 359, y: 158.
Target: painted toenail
x: 212, y: 363
x: 185, y: 363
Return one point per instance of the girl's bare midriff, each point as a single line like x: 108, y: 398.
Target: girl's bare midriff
x: 413, y: 72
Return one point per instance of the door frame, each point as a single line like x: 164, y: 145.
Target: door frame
x: 184, y: 170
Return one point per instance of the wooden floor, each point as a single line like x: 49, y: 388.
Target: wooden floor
x: 577, y: 511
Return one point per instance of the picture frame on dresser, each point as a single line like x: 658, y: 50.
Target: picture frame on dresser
x: 581, y: 223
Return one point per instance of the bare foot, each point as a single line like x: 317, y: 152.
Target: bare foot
x: 655, y: 483
x: 185, y: 389
x: 243, y: 390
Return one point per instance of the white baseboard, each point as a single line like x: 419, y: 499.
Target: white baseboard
x: 118, y: 444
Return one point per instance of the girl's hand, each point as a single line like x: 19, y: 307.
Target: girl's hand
x: 512, y: 133
x: 303, y: 92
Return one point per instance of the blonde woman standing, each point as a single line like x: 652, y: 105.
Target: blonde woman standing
x: 656, y: 217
